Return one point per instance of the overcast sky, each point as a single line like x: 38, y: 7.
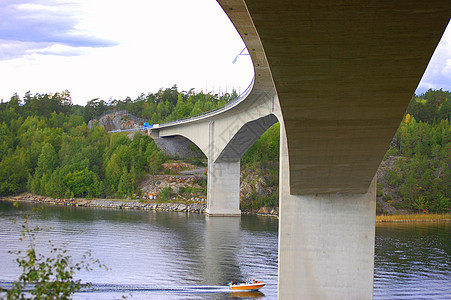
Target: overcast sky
x: 114, y: 49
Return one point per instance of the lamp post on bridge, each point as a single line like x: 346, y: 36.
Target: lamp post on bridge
x: 241, y: 53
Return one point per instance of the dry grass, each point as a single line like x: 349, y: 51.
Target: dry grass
x: 415, y: 218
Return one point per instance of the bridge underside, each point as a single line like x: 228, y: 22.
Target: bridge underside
x: 344, y: 72
x: 245, y: 138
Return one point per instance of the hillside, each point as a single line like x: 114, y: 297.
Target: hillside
x: 47, y: 148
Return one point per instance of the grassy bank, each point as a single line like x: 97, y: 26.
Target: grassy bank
x: 414, y: 218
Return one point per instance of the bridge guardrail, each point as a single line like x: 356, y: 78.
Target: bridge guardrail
x: 216, y: 110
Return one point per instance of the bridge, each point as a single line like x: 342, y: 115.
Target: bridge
x: 224, y: 136
x: 338, y: 76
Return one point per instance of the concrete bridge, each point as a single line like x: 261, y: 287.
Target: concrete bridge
x: 224, y: 136
x: 338, y: 75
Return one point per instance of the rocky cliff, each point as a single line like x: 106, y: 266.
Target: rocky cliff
x: 117, y: 121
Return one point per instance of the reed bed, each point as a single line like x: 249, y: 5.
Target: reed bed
x: 415, y: 218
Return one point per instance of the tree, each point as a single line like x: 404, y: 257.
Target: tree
x: 126, y: 184
x: 48, y: 159
x: 113, y: 173
x: 47, y: 276
x: 82, y: 183
x: 13, y: 173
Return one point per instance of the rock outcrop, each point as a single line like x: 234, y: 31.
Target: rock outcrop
x: 117, y: 121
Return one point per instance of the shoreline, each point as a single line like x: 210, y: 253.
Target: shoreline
x: 196, y: 207
x: 413, y: 218
x: 129, y: 204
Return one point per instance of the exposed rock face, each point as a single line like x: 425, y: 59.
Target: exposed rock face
x: 117, y: 120
x: 264, y: 210
x: 254, y: 182
x: 388, y: 196
x: 152, y: 185
x: 261, y: 188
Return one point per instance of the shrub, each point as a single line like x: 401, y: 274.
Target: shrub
x: 379, y: 190
x: 197, y: 162
x: 444, y: 204
x: 165, y: 194
x: 387, y: 198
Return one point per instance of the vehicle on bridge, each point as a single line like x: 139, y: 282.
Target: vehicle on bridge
x: 147, y: 125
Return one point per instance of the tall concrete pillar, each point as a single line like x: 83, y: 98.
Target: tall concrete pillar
x: 223, y: 182
x: 326, y: 241
x: 223, y: 191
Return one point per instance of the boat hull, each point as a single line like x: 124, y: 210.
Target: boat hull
x: 247, y: 286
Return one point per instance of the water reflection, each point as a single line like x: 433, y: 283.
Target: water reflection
x: 247, y: 295
x: 222, y: 240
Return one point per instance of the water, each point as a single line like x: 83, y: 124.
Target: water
x: 413, y: 261
x: 167, y: 255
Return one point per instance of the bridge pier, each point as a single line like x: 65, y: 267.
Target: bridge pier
x: 326, y: 241
x: 223, y: 189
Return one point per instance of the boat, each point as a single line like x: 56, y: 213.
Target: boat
x: 251, y: 285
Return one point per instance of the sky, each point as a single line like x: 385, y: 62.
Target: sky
x: 116, y: 49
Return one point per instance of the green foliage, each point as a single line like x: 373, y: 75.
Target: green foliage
x: 197, y: 162
x: 162, y: 106
x: 422, y: 176
x: 181, y: 190
x: 46, y: 276
x: 165, y: 194
x: 431, y: 106
x: 47, y: 148
x: 271, y: 200
x: 55, y: 154
x: 265, y: 149
x: 14, y: 172
x: 255, y: 201
x: 444, y: 204
x: 379, y: 192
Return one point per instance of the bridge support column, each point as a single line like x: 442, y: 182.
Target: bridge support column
x: 223, y: 191
x: 326, y: 241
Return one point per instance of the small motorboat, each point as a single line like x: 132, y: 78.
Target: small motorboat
x: 250, y: 285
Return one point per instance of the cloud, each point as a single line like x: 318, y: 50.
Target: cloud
x: 36, y: 27
x: 438, y: 73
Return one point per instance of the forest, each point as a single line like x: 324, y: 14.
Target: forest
x: 422, y: 150
x: 46, y: 148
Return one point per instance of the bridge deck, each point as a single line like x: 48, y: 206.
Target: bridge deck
x: 344, y: 72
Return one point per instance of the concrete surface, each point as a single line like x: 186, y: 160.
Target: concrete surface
x: 223, y: 189
x: 326, y: 241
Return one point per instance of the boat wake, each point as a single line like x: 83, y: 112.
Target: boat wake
x: 151, y: 288
x: 156, y: 288
x: 141, y: 287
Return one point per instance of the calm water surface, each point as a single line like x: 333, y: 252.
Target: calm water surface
x: 167, y: 255
x: 413, y: 261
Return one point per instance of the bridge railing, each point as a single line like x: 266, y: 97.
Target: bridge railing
x: 241, y: 97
